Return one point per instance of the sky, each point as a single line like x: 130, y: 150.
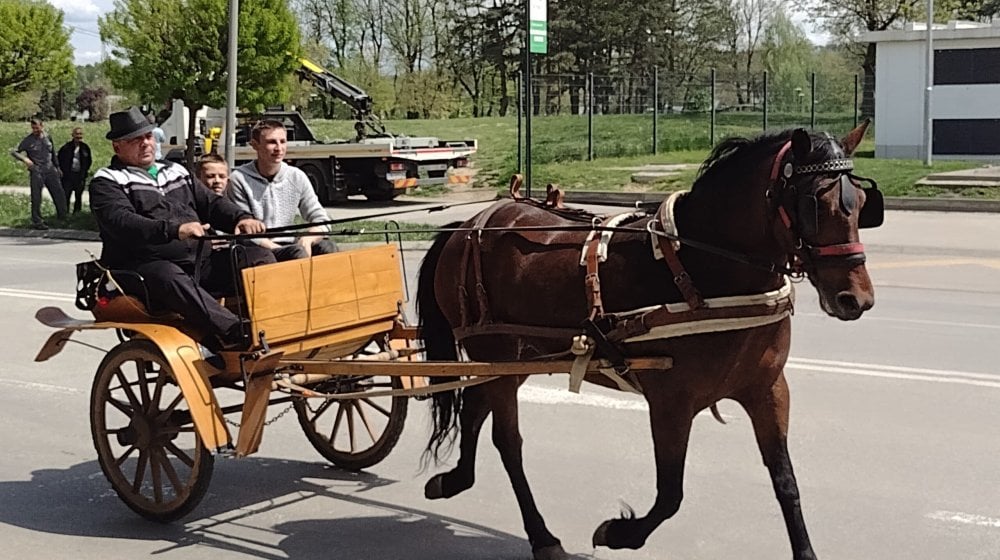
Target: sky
x: 81, y: 15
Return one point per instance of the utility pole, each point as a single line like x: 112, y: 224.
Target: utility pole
x: 230, y: 128
x: 929, y: 89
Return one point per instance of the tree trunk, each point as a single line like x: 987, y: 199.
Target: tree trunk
x: 868, y: 85
x: 192, y: 134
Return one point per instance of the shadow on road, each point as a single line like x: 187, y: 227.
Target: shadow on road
x: 78, y: 501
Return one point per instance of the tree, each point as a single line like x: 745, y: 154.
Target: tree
x: 94, y: 101
x: 788, y: 59
x: 847, y: 19
x: 34, y: 47
x: 176, y: 49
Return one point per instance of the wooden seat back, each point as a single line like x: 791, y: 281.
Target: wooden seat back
x: 336, y: 299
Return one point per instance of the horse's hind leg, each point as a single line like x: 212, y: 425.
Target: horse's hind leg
x: 475, y: 409
x: 507, y: 439
x: 671, y: 426
x: 769, y: 413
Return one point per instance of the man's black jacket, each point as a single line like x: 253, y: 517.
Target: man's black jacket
x: 65, y: 158
x: 139, y: 215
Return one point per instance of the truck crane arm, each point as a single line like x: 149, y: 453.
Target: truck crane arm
x: 356, y: 98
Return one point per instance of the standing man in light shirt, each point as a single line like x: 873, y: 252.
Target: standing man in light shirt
x: 275, y: 193
x: 159, y: 137
x: 39, y: 155
x: 75, y: 159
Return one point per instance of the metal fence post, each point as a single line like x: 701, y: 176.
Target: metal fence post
x: 711, y: 110
x: 519, y: 82
x: 656, y: 103
x: 812, y: 101
x: 590, y: 116
x: 855, y: 101
x: 765, y: 99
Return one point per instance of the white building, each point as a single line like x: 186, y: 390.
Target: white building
x: 965, y: 99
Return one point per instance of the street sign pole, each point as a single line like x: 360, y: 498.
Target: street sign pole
x: 536, y: 41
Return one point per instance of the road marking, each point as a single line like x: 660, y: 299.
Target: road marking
x: 914, y: 321
x: 991, y: 263
x: 897, y: 372
x: 46, y: 387
x: 965, y: 518
x: 34, y: 294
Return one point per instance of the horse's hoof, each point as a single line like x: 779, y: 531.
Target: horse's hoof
x: 600, y: 537
x: 552, y: 552
x: 434, y: 489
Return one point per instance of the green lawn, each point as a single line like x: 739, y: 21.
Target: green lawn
x: 559, y: 148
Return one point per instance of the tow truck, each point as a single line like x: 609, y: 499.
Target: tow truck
x: 375, y: 163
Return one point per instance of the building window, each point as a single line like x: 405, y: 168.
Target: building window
x: 967, y: 66
x: 980, y: 137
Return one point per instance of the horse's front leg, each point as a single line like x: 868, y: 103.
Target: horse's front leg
x: 768, y: 411
x: 474, y: 411
x: 671, y: 426
x: 507, y: 439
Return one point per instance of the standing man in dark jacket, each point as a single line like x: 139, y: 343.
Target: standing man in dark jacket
x: 74, y: 162
x: 41, y: 163
x: 151, y: 214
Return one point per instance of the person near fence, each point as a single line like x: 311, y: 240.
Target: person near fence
x: 151, y: 215
x: 276, y: 193
x: 39, y: 155
x: 75, y: 159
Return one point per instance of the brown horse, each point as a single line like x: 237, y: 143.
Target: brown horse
x: 780, y: 203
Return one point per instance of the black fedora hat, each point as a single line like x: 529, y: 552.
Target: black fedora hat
x: 128, y: 124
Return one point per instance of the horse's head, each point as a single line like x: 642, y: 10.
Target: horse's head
x: 821, y: 205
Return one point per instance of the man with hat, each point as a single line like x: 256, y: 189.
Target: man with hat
x: 151, y: 214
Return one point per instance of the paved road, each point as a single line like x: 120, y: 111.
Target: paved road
x: 893, y: 438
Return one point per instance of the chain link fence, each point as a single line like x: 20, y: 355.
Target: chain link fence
x: 582, y: 117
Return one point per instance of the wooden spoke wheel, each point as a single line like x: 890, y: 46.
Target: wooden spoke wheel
x: 354, y: 433
x: 145, y: 439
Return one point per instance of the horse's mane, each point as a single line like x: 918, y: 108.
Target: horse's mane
x: 729, y: 160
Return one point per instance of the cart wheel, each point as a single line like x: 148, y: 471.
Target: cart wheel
x: 144, y: 436
x: 357, y: 433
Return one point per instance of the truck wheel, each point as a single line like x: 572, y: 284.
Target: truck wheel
x: 380, y: 190
x: 321, y: 184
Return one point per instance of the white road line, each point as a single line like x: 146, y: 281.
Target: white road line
x: 904, y: 376
x: 46, y: 387
x: 804, y: 362
x: 914, y: 321
x: 33, y: 294
x: 965, y: 519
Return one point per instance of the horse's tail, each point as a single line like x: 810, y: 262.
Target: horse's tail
x: 439, y: 344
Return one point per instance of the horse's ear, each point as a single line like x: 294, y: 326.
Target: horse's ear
x: 854, y: 137
x: 801, y: 144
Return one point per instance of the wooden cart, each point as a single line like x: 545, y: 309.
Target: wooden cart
x: 328, y: 341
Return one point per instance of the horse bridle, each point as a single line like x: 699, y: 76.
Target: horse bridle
x: 805, y: 225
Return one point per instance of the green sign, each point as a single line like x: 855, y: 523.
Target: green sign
x: 538, y: 27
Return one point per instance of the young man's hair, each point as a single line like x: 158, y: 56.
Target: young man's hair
x: 265, y: 125
x: 208, y: 158
x: 36, y: 120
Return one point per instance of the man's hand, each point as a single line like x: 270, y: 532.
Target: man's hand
x: 307, y: 244
x: 28, y: 163
x: 250, y: 225
x: 192, y: 229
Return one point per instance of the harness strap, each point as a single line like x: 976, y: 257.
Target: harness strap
x: 527, y: 331
x: 473, y: 251
x: 839, y: 250
x: 592, y: 280
x: 681, y: 278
